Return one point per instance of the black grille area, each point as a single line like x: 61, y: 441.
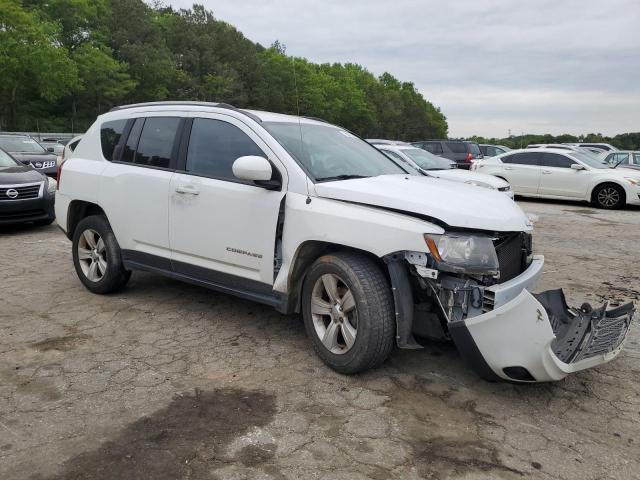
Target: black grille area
x: 513, y: 251
x: 23, y: 193
x: 21, y: 215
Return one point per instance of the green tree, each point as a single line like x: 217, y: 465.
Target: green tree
x: 33, y: 64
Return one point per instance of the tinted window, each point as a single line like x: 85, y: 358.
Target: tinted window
x: 214, y: 146
x: 522, y: 158
x: 636, y: 159
x: 156, y: 141
x: 434, y: 147
x: 110, y: 134
x: 474, y: 149
x: 129, y: 152
x: 457, y: 147
x: 556, y: 160
x: 73, y: 145
x: 486, y: 151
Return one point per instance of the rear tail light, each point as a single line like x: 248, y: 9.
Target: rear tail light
x: 59, y: 173
x: 469, y: 157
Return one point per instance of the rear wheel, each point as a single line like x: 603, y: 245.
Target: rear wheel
x: 97, y: 257
x: 348, y: 312
x: 609, y: 196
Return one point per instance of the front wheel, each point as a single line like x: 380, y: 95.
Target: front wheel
x: 97, y: 257
x: 609, y: 196
x: 348, y: 312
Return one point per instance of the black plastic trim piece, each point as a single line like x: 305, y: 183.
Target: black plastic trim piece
x: 222, y: 282
x: 403, y: 300
x: 470, y: 353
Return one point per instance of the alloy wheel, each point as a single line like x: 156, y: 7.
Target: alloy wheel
x: 92, y: 255
x: 334, y: 314
x: 608, y: 197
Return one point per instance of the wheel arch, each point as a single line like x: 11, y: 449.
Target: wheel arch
x: 307, y: 253
x: 608, y: 182
x: 79, y: 209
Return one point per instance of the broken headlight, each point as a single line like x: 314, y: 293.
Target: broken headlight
x: 463, y: 253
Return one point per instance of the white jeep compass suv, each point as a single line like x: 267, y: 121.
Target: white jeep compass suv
x: 302, y: 215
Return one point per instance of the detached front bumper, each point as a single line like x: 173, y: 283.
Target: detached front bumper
x: 536, y: 338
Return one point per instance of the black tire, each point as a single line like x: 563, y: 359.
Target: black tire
x: 373, y: 306
x: 115, y: 275
x: 609, y: 196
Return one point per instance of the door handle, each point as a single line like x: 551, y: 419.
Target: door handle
x: 508, y: 168
x: 546, y: 172
x: 187, y: 190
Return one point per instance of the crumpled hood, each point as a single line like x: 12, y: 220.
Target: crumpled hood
x: 454, y: 203
x: 459, y: 175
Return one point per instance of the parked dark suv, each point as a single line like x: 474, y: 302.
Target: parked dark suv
x: 460, y: 151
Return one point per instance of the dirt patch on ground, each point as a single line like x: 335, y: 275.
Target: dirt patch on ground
x: 187, y: 439
x: 60, y: 344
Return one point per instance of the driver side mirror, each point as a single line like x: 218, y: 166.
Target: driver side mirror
x: 257, y: 170
x: 577, y: 166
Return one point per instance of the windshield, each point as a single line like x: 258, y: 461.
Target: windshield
x: 20, y: 144
x: 330, y: 153
x: 6, y: 160
x: 426, y: 160
x: 589, y: 160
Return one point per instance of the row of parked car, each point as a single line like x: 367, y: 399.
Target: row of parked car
x: 593, y: 172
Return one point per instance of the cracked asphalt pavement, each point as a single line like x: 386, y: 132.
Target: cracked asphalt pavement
x: 169, y: 381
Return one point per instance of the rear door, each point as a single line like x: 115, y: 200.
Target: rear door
x: 135, y: 186
x: 559, y: 179
x: 522, y: 171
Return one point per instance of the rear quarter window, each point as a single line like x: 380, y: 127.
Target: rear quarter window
x: 110, y: 133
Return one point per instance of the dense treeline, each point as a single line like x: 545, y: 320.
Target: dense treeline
x: 623, y: 141
x: 64, y: 62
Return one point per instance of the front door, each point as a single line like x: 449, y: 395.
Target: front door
x: 557, y: 178
x: 222, y: 229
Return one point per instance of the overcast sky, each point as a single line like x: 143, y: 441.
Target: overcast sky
x: 537, y: 66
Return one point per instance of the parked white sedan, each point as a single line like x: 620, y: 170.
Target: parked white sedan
x: 434, y: 166
x: 564, y: 175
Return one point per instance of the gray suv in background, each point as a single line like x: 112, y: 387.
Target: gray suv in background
x: 460, y: 151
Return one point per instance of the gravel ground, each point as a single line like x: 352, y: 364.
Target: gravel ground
x: 166, y: 380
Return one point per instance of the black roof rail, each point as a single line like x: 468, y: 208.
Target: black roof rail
x: 187, y: 103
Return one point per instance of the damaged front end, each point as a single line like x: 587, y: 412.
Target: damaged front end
x: 503, y: 331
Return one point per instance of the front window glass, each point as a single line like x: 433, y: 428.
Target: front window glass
x: 589, y: 160
x: 21, y: 145
x: 426, y: 160
x: 6, y: 160
x: 330, y: 153
x: 215, y: 145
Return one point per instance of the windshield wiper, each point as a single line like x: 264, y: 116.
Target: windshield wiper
x: 340, y: 177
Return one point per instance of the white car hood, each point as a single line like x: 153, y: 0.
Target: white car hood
x: 454, y: 203
x: 459, y: 175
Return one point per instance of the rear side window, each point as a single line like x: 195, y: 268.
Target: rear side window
x: 110, y: 134
x: 556, y: 160
x: 213, y: 147
x: 522, y: 159
x: 434, y: 147
x: 156, y: 142
x: 457, y: 147
x: 474, y: 149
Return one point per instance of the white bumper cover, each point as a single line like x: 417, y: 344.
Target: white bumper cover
x: 517, y: 333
